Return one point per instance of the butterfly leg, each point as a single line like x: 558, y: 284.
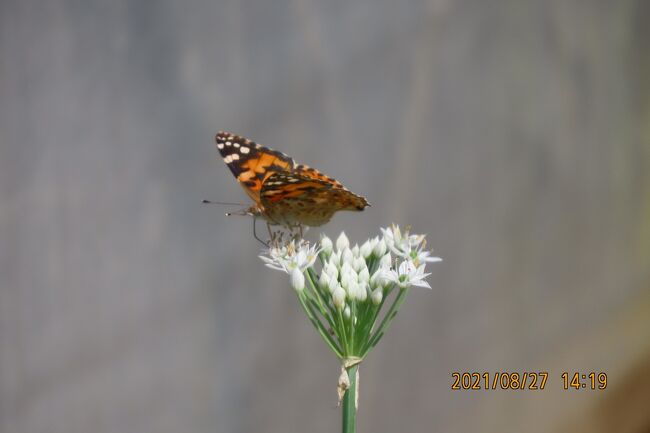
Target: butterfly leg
x: 274, y: 238
x: 295, y: 232
x: 266, y: 244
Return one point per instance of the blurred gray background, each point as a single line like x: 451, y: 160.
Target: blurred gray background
x: 516, y: 134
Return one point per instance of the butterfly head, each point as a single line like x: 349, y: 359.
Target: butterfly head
x: 253, y: 211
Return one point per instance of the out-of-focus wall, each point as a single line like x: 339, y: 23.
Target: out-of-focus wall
x: 516, y: 134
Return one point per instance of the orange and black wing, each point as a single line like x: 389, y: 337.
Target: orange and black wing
x: 312, y: 173
x: 339, y: 194
x: 251, y: 163
x: 303, y: 192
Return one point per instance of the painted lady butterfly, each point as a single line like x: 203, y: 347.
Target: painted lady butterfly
x: 284, y: 193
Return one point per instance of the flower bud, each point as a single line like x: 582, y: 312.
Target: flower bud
x: 331, y: 270
x: 347, y: 269
x: 346, y: 281
x: 355, y: 250
x: 297, y: 280
x: 346, y: 256
x: 362, y: 292
x: 364, y: 275
x: 342, y: 242
x: 366, y: 249
x: 376, y: 279
x: 335, y: 258
x: 338, y: 297
x: 324, y: 280
x: 333, y: 284
x: 326, y: 245
x: 377, y: 295
x: 346, y: 312
x: 380, y: 248
x: 353, y: 290
x: 358, y: 264
x: 385, y: 261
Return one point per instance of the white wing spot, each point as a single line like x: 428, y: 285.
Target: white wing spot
x: 228, y: 143
x: 234, y: 156
x: 236, y: 144
x: 228, y: 159
x: 244, y: 150
x: 220, y: 146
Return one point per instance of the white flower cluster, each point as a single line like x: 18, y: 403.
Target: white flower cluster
x: 359, y: 272
x: 344, y: 300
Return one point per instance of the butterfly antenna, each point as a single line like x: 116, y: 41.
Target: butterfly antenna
x: 224, y: 203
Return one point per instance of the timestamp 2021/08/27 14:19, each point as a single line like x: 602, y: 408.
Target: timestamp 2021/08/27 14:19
x: 526, y: 380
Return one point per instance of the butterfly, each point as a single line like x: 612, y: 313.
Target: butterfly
x: 284, y: 193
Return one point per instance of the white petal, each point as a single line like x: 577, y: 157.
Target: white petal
x: 266, y: 259
x: 276, y: 267
x: 405, y: 267
x: 388, y: 276
x: 421, y: 283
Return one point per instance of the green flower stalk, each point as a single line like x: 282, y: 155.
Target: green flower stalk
x: 353, y: 294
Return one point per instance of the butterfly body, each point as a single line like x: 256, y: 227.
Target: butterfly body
x: 284, y: 193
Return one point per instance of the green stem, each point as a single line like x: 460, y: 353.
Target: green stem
x: 319, y: 326
x: 349, y: 402
x: 345, y: 343
x: 322, y: 305
x: 390, y: 315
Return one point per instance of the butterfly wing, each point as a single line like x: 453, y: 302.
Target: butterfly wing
x: 251, y: 163
x: 291, y: 198
x: 284, y: 193
x: 312, y: 173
